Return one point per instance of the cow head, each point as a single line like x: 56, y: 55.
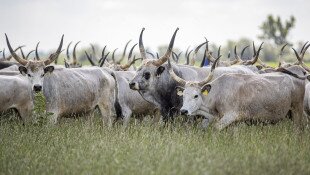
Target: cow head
x: 37, y: 69
x: 193, y: 92
x: 150, y: 69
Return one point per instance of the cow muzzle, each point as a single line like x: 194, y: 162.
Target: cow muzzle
x: 37, y: 88
x: 184, y: 112
x: 134, y: 86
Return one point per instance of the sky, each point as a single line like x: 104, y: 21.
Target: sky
x: 114, y: 22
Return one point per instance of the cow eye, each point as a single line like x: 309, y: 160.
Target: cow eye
x: 196, y: 96
x: 42, y: 75
x: 29, y: 75
x: 147, y: 75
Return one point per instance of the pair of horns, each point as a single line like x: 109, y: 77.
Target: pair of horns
x: 22, y: 61
x: 300, y: 56
x: 201, y: 83
x: 74, y: 60
x: 162, y: 59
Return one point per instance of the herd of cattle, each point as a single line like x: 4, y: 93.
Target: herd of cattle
x: 225, y: 92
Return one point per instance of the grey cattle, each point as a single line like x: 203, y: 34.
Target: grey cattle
x: 300, y: 57
x: 69, y: 91
x: 240, y: 97
x: 130, y: 101
x: 16, y: 94
x: 156, y: 85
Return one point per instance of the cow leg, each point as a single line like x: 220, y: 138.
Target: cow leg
x: 156, y: 117
x: 126, y: 114
x: 53, y: 119
x: 105, y: 111
x: 306, y: 117
x: 226, y: 120
x: 208, y: 118
x: 90, y: 116
x: 25, y: 114
x: 297, y: 115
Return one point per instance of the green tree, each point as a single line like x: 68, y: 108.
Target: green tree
x: 274, y: 29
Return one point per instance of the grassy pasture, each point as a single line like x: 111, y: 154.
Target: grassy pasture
x: 76, y: 147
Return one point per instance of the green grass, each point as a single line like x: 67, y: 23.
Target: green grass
x: 75, y: 147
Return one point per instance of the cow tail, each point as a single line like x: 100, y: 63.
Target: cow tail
x: 117, y: 106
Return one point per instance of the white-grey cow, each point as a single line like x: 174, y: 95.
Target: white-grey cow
x: 15, y: 93
x: 233, y: 98
x: 69, y: 91
x: 130, y: 101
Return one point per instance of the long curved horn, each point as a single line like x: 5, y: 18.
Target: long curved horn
x: 303, y: 47
x: 242, y: 52
x: 166, y: 56
x: 237, y: 58
x: 255, y: 56
x: 124, y: 53
x: 209, y: 54
x: 66, y: 63
x: 150, y: 54
x: 74, y: 54
x: 126, y: 66
x: 113, y: 54
x: 67, y: 52
x: 22, y: 53
x: 9, y: 57
x: 193, y: 60
x: 29, y: 54
x: 174, y: 76
x: 186, y: 52
x: 104, y: 59
x: 141, y: 46
x: 37, y: 54
x: 178, y: 56
x: 93, y: 48
x: 281, y: 54
x: 304, y: 51
x: 204, y: 58
x: 130, y: 52
x: 102, y: 54
x: 187, y: 58
x: 300, y: 58
x: 15, y: 56
x: 175, y: 57
x: 55, y: 55
x: 89, y: 57
x: 210, y: 76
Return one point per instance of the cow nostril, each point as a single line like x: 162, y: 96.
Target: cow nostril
x: 37, y: 88
x: 184, y: 112
x: 132, y: 84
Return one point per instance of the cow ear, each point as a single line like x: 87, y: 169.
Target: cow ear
x: 160, y: 70
x: 22, y: 70
x: 259, y: 67
x: 49, y: 69
x: 179, y: 90
x: 206, y: 89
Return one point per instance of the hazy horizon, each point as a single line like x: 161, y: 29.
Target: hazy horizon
x: 114, y: 22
